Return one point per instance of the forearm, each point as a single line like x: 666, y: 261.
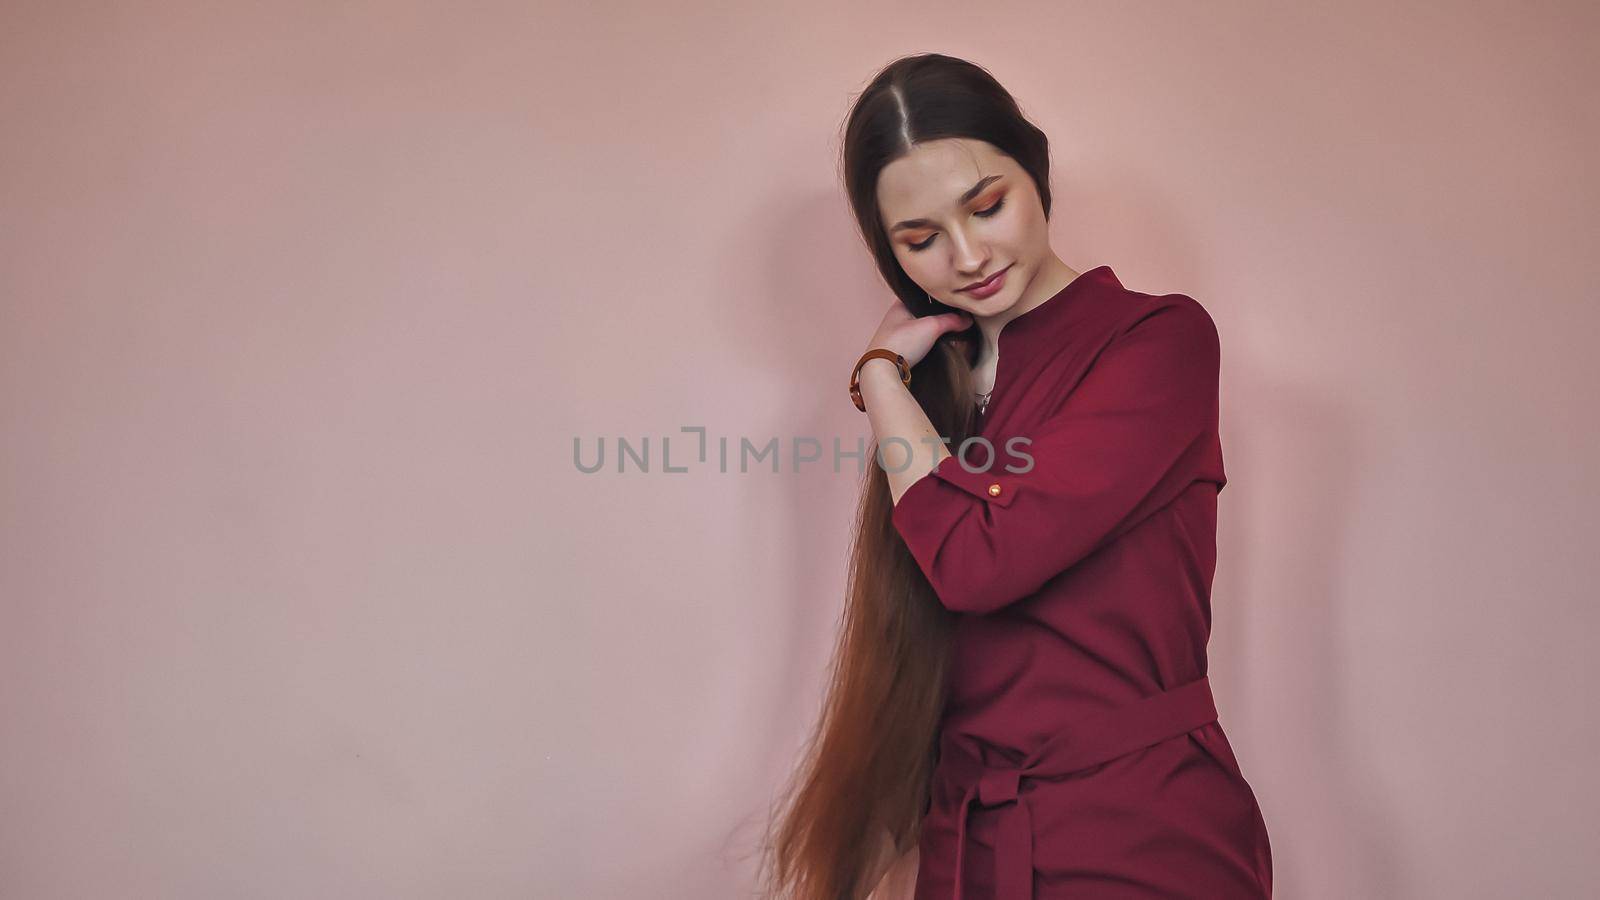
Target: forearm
x: 894, y: 413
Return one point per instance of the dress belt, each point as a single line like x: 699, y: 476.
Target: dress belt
x: 1091, y: 740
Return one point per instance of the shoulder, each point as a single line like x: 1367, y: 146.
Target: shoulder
x: 1178, y: 322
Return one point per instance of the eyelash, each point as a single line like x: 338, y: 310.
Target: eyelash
x: 986, y: 213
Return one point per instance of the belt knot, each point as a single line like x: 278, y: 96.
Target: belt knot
x: 1093, y: 739
x: 998, y: 786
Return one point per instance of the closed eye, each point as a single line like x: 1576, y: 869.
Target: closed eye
x: 986, y: 213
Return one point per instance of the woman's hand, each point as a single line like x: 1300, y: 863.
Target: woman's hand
x: 896, y: 416
x: 913, y: 336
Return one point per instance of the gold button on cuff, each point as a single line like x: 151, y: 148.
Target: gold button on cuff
x: 994, y: 490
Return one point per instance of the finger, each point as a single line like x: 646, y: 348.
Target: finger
x: 956, y: 321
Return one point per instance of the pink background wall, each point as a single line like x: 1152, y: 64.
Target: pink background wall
x: 302, y: 595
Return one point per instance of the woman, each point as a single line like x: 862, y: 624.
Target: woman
x: 1019, y: 705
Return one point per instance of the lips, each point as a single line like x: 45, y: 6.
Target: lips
x: 980, y: 285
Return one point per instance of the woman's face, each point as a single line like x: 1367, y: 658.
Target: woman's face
x: 957, y: 211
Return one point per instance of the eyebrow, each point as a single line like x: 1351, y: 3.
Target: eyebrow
x: 966, y: 197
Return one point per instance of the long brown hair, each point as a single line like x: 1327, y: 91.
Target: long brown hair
x: 856, y: 801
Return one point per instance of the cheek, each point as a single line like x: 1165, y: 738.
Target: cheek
x: 915, y: 264
x: 1031, y: 226
x: 1014, y: 237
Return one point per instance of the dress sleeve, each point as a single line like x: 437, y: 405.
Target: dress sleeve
x: 1128, y: 439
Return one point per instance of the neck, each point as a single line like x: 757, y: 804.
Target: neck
x: 1051, y: 279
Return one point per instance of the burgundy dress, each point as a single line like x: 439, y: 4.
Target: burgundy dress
x: 1080, y: 753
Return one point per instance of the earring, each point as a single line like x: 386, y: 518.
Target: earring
x: 931, y: 301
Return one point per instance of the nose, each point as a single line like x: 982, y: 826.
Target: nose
x: 968, y: 257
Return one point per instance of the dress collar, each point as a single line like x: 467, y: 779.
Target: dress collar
x: 1040, y: 319
x: 1032, y: 339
